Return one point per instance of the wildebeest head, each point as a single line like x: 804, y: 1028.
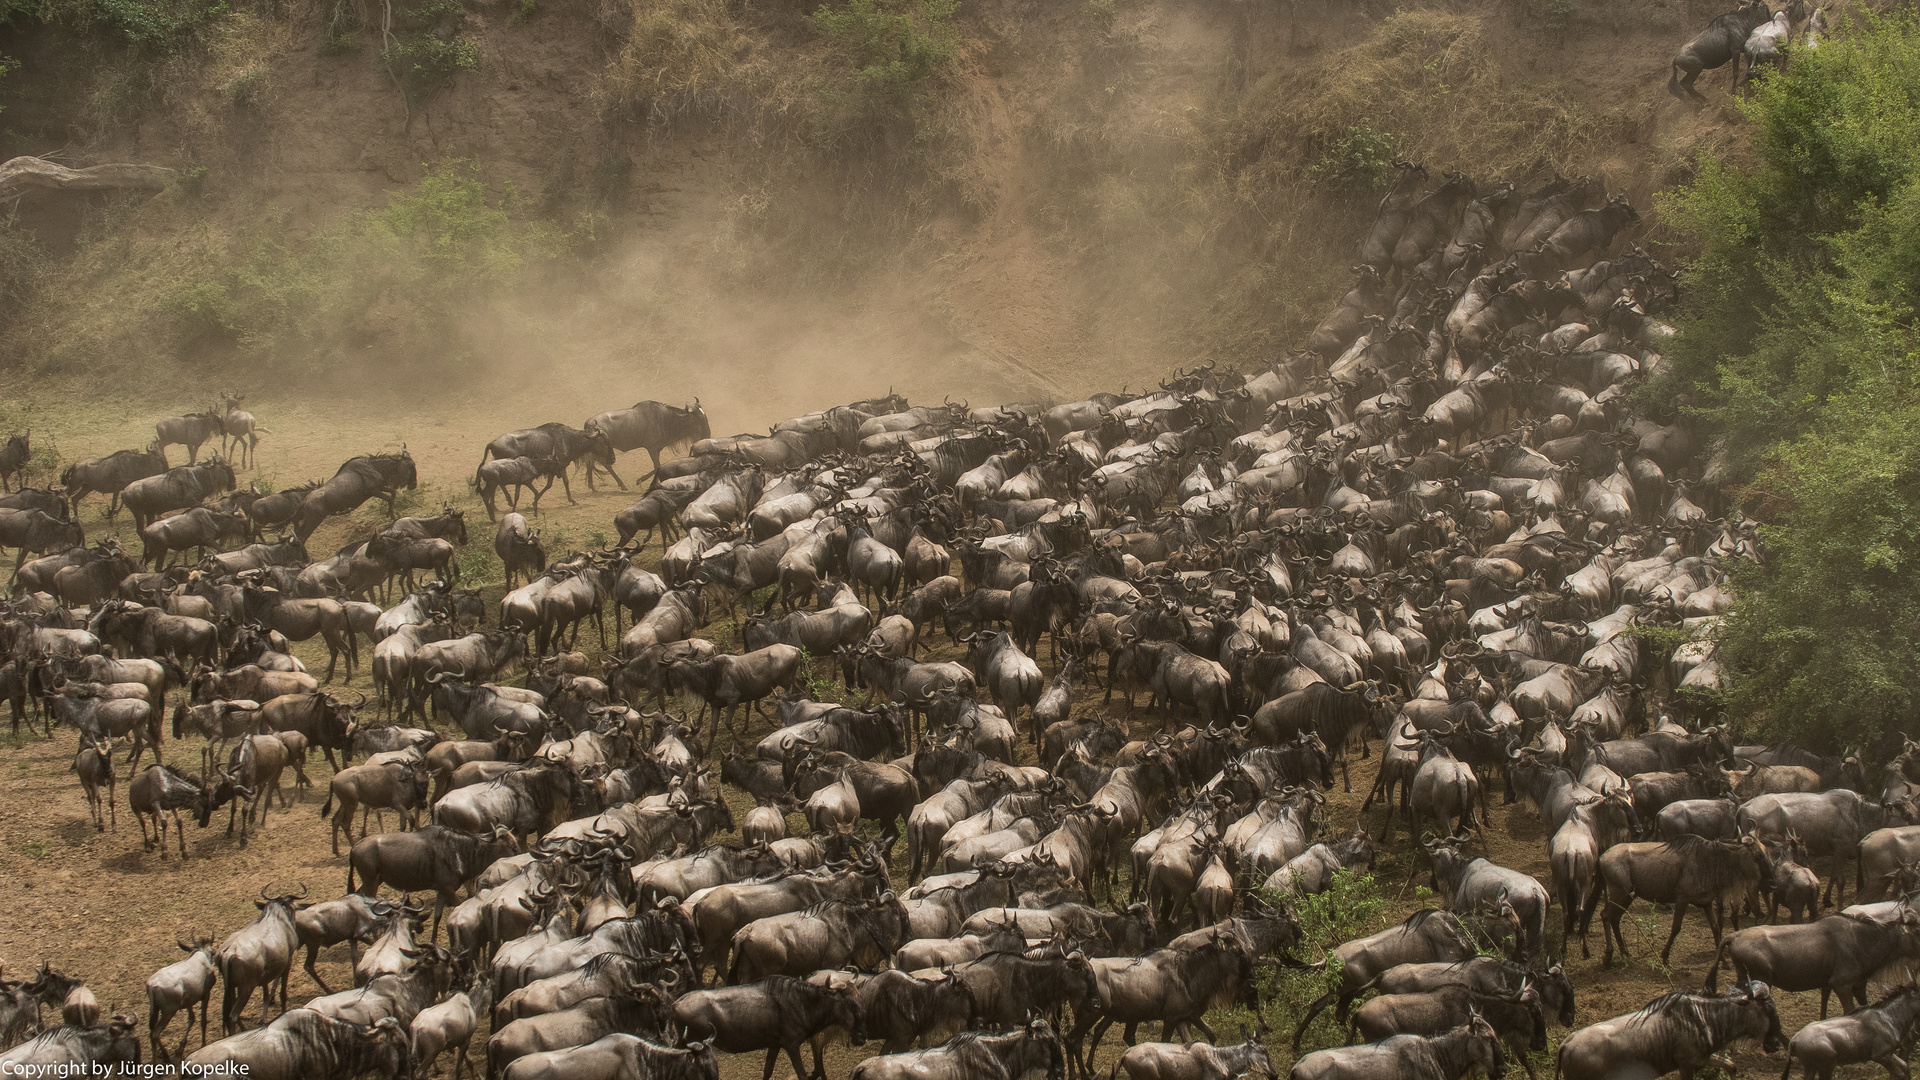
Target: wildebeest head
x: 1555, y: 986
x: 213, y: 796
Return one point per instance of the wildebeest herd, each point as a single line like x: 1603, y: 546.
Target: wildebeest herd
x: 1440, y: 530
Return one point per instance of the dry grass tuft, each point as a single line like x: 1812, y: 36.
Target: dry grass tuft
x: 1432, y: 76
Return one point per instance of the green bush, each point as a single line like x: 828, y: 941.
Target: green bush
x: 895, y: 44
x: 1352, y: 907
x: 154, y: 25
x: 424, y: 61
x: 1362, y: 160
x: 423, y: 50
x: 1797, y: 348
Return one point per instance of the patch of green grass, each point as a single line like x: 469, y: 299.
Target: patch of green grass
x: 477, y: 566
x: 35, y: 849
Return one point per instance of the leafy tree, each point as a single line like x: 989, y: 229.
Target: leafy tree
x: 1797, y: 349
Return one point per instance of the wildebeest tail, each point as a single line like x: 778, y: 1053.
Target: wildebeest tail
x: 179, y: 719
x: 328, y: 808
x: 1313, y: 1010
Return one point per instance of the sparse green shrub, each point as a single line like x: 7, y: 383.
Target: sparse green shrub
x: 155, y: 25
x: 423, y: 50
x: 424, y: 61
x: 1362, y: 159
x: 1102, y: 12
x: 1351, y: 907
x: 1559, y: 13
x: 437, y: 246
x: 206, y: 311
x: 895, y: 43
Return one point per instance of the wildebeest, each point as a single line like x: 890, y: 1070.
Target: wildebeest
x: 1830, y: 823
x: 94, y: 766
x: 239, y: 431
x: 513, y: 476
x: 111, y: 474
x: 356, y: 481
x: 1876, y: 1033
x: 1517, y: 1017
x: 199, y: 528
x: 393, y: 785
x: 618, y: 1056
x: 189, y: 431
x: 13, y: 460
x: 1724, y: 40
x: 301, y: 618
x: 33, y: 530
x: 651, y: 426
x: 1464, y: 1051
x: 176, y: 489
x: 181, y: 986
x: 729, y: 681
x: 560, y: 444
x: 1836, y: 954
x: 778, y: 1013
x: 254, y: 956
x: 1474, y: 885
x: 1173, y: 986
x: 1427, y: 936
x: 1195, y: 1061
x: 432, y: 858
x: 67, y: 1050
x: 162, y: 789
x: 303, y: 1044
x: 449, y: 1026
x: 1675, y: 1032
x: 519, y: 549
x: 1688, y: 871
x: 1024, y: 1052
x: 830, y: 934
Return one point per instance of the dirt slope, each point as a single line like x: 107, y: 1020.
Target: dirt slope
x: 1082, y: 202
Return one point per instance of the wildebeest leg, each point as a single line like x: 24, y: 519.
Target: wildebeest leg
x: 187, y: 1035
x: 1586, y: 918
x: 179, y: 835
x: 1610, y: 929
x: 1099, y: 1032
x: 1680, y: 914
x: 313, y: 953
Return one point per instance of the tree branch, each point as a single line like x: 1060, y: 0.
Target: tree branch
x: 22, y: 173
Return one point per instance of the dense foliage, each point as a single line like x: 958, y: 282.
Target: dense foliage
x: 1798, y: 350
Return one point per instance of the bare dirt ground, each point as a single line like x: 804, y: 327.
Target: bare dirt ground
x: 96, y: 905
